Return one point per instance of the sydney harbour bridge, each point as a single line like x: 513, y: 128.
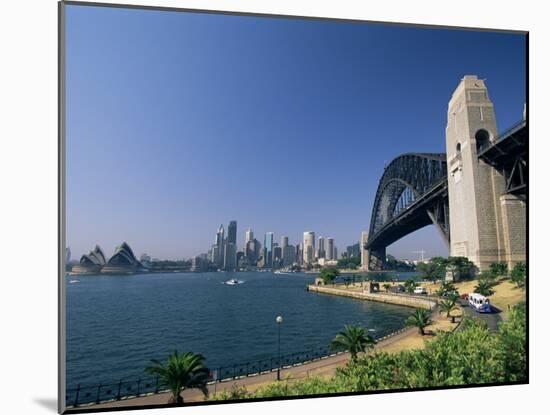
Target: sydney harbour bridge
x: 475, y: 193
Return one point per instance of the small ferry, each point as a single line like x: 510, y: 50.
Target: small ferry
x: 233, y: 281
x: 479, y: 303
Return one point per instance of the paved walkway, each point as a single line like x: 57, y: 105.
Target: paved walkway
x: 491, y: 319
x: 323, y: 367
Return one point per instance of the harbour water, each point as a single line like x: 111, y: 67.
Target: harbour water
x: 117, y: 324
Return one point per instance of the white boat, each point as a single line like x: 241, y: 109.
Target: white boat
x: 479, y: 303
x: 73, y: 281
x: 233, y: 281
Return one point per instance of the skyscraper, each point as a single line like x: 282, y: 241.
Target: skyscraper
x: 249, y: 236
x: 232, y: 232
x: 289, y: 255
x: 321, y: 253
x: 268, y: 250
x: 284, y: 242
x: 230, y: 257
x: 330, y: 249
x: 309, y: 247
x: 220, y: 248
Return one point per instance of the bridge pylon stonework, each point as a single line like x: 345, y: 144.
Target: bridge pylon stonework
x: 487, y: 223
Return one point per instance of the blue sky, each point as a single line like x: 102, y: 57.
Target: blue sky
x: 177, y: 122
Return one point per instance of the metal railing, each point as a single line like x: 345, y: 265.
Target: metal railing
x: 517, y: 126
x: 144, y: 386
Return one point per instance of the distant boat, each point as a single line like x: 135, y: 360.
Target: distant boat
x: 73, y: 281
x: 233, y: 281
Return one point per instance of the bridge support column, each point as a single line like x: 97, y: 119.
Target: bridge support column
x: 475, y: 187
x: 377, y: 259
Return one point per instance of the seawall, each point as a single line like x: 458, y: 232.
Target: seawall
x: 388, y: 298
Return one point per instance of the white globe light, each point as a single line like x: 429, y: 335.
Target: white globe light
x: 279, y: 319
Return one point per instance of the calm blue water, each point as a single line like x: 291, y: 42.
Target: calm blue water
x: 117, y: 324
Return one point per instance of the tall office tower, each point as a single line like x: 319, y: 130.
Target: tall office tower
x: 299, y: 254
x: 249, y: 236
x: 364, y: 251
x: 309, y: 247
x: 220, y: 242
x: 277, y: 256
x: 284, y: 242
x: 268, y: 250
x: 330, y: 249
x: 321, y: 253
x: 230, y: 257
x: 335, y: 255
x: 215, y: 254
x: 289, y: 255
x: 353, y: 251
x: 232, y: 232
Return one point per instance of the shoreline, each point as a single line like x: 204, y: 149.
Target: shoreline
x: 325, y: 366
x: 381, y: 297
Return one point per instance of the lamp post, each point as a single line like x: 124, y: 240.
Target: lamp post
x: 279, y: 320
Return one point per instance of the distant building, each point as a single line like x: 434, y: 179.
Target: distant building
x: 123, y: 261
x: 268, y: 250
x: 353, y: 251
x: 330, y: 249
x: 91, y: 263
x: 67, y: 255
x: 289, y: 255
x: 252, y: 251
x: 249, y: 236
x: 284, y: 242
x: 321, y: 253
x: 277, y: 256
x: 220, y: 251
x: 232, y: 232
x: 199, y: 264
x: 309, y: 247
x: 364, y: 251
x: 299, y: 254
x: 335, y: 255
x: 230, y: 256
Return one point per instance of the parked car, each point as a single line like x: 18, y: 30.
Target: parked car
x: 398, y: 288
x: 421, y: 290
x: 448, y: 294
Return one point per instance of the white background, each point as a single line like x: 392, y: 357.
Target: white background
x: 28, y: 207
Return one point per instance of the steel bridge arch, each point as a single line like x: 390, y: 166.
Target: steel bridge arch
x: 417, y: 171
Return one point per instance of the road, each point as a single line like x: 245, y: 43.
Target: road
x: 491, y: 319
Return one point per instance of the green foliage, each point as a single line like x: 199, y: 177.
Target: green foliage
x: 410, y: 285
x: 519, y: 274
x: 386, y: 287
x: 485, y: 287
x: 498, y: 269
x: 448, y: 305
x: 182, y: 371
x: 328, y: 275
x: 471, y: 356
x: 447, y: 289
x: 421, y: 318
x: 353, y: 339
x: 397, y: 265
x: 349, y: 263
x: 234, y: 394
x: 460, y: 267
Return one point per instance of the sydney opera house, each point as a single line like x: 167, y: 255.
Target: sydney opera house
x: 123, y: 261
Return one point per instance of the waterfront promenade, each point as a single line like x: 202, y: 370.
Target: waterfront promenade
x: 406, y: 339
x: 407, y: 300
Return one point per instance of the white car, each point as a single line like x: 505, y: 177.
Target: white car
x: 420, y: 290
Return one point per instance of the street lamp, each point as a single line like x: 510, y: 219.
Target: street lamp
x: 279, y: 320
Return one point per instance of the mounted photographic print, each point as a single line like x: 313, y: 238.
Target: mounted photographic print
x: 259, y: 207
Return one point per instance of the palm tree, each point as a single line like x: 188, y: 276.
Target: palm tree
x: 354, y: 339
x: 484, y: 287
x: 387, y: 286
x: 447, y: 306
x: 410, y: 285
x: 182, y: 371
x: 421, y: 318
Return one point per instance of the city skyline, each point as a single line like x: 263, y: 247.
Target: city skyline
x: 210, y: 134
